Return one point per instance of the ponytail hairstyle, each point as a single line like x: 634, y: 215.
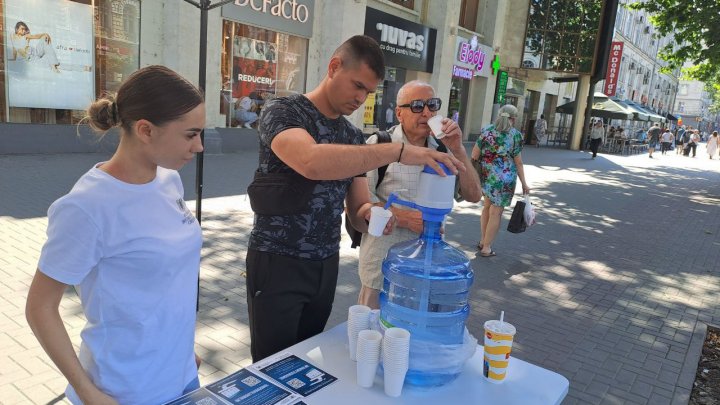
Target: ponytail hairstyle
x: 154, y: 93
x: 502, y: 122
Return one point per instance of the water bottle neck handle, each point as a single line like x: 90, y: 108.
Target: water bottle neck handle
x: 431, y: 230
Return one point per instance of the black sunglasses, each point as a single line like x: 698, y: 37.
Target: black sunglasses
x: 417, y: 106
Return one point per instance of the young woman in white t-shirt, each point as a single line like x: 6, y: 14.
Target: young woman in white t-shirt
x: 124, y: 237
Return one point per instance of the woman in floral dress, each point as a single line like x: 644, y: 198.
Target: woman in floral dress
x: 497, y: 152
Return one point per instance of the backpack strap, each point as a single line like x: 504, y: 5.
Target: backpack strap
x: 382, y: 137
x: 441, y: 146
x: 355, y: 235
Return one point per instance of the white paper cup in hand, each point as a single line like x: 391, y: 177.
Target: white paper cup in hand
x: 379, y: 217
x: 435, y: 124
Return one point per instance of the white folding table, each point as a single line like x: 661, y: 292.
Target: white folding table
x: 526, y: 384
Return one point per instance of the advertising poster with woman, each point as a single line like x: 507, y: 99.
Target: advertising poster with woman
x: 49, y: 54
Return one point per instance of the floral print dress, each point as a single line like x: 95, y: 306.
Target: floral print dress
x: 498, y: 172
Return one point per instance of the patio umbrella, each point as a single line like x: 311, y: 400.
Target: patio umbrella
x: 602, y: 107
x: 651, y: 116
x: 638, y: 114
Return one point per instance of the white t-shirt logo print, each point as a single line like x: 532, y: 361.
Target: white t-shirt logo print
x: 187, y: 215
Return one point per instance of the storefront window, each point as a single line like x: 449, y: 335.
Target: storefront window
x: 405, y: 3
x: 561, y: 35
x: 468, y: 14
x: 258, y: 65
x: 59, y: 55
x: 457, y: 103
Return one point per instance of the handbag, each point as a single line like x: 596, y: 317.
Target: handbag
x: 517, y: 220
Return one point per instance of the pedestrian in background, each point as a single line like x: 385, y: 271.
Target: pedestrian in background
x: 712, y: 144
x: 692, y: 143
x: 245, y: 112
x: 389, y: 117
x: 540, y: 130
x: 498, y: 151
x: 667, y: 140
x: 680, y: 140
x: 596, y: 136
x: 125, y: 238
x: 312, y: 160
x: 653, y: 138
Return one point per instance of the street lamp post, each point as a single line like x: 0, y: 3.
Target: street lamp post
x: 204, y: 6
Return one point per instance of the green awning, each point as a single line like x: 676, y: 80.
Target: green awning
x: 603, y: 107
x: 638, y: 114
x: 651, y: 115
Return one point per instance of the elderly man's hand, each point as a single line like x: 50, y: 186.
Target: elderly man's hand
x: 453, y: 136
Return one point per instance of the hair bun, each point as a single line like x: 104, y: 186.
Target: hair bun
x: 103, y: 114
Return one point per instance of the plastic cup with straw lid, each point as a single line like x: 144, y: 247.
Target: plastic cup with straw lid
x: 499, y: 337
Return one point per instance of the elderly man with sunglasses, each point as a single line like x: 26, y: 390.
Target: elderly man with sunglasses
x: 416, y: 104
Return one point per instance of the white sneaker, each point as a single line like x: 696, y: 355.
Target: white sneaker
x: 246, y: 125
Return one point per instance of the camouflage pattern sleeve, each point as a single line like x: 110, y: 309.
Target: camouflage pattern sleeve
x: 277, y: 116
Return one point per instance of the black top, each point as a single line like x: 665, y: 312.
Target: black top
x: 315, y: 234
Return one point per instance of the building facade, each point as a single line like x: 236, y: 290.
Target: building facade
x: 692, y: 106
x: 640, y: 78
x: 255, y: 49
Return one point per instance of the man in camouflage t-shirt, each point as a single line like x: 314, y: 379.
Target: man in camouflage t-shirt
x: 293, y: 259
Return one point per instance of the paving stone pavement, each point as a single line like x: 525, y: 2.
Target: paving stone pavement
x: 611, y: 289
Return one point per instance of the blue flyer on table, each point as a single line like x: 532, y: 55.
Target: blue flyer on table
x: 247, y: 388
x: 296, y: 374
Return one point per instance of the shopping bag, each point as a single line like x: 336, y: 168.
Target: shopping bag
x: 529, y: 212
x: 517, y: 220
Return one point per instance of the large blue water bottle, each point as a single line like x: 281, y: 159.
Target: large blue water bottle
x: 425, y: 289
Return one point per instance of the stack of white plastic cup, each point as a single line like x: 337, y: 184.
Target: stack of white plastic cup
x: 358, y: 320
x: 368, y: 356
x: 374, y: 318
x: 396, y: 357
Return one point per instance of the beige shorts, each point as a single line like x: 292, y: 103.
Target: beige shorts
x: 372, y: 253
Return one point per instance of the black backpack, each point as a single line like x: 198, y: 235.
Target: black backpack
x: 383, y: 137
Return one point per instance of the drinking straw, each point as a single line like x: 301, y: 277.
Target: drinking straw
x: 502, y: 315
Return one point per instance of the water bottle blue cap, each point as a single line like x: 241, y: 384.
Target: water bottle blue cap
x: 428, y: 169
x: 433, y: 214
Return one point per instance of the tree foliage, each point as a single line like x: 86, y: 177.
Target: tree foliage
x: 713, y: 90
x: 694, y: 26
x: 696, y: 32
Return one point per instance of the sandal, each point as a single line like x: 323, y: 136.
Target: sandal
x: 479, y: 246
x: 489, y: 254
